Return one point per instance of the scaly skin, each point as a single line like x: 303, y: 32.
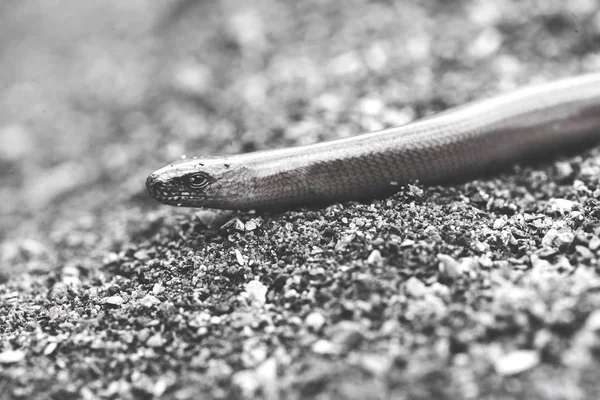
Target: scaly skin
x: 452, y: 145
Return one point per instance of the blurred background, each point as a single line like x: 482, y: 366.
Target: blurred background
x: 95, y: 95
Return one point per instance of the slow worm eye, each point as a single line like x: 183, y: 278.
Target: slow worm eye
x: 198, y: 180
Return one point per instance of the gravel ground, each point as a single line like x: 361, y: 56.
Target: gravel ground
x: 482, y: 289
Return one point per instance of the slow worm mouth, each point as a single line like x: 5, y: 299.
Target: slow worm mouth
x: 180, y: 201
x: 167, y: 194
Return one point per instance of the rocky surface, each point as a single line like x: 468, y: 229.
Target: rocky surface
x: 481, y: 289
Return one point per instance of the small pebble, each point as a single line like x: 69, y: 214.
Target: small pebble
x: 239, y: 225
x: 375, y: 258
x: 266, y: 373
x: 399, y: 117
x: 562, y: 206
x: 375, y: 364
x: 515, y: 362
x: 329, y: 102
x: 250, y: 225
x: 548, y: 239
x: 246, y: 382
x: 564, y: 238
x: 563, y: 169
x: 70, y: 271
x: 149, y: 300
x: 593, y: 321
x: 192, y: 79
x: 50, y: 347
x: 315, y: 320
x: 485, y: 44
x: 323, y: 346
x: 239, y: 257
x: 347, y: 334
x: 415, y: 288
x: 157, y: 289
x: 290, y: 294
x: 499, y: 223
x: 207, y: 217
x: 155, y: 341
x: 254, y: 352
x: 584, y: 252
x: 256, y: 292
x: 407, y: 243
x: 11, y: 356
x: 415, y: 190
x: 115, y: 300
x: 141, y: 255
x: 371, y: 106
x: 449, y: 267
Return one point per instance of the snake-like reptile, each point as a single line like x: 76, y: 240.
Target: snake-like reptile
x: 451, y: 145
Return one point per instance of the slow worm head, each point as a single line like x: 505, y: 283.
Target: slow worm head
x: 455, y: 144
x: 207, y: 182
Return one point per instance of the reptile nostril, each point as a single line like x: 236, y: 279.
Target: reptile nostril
x: 152, y: 183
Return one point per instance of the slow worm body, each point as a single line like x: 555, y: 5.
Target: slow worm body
x: 455, y: 144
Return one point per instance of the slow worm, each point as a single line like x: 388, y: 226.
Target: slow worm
x: 455, y: 144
